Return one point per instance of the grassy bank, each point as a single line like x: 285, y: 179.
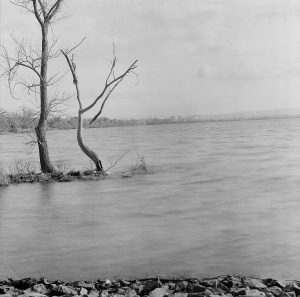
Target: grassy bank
x: 58, y: 176
x: 25, y: 172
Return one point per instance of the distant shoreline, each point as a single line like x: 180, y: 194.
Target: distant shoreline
x: 157, y: 122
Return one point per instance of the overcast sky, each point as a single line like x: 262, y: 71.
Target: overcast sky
x: 195, y: 56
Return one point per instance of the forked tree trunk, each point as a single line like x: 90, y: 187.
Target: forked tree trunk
x: 46, y: 165
x: 111, y: 83
x: 89, y: 153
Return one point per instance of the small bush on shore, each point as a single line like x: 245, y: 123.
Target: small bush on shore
x: 140, y: 167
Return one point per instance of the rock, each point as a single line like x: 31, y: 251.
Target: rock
x: 288, y: 294
x: 209, y: 283
x: 83, y: 291
x: 23, y: 284
x: 223, y: 287
x: 195, y: 288
x: 281, y: 283
x: 196, y: 295
x: 239, y: 291
x: 254, y: 283
x: 13, y: 292
x: 104, y: 293
x: 172, y: 286
x: 45, y: 281
x: 158, y: 292
x: 93, y: 293
x: 208, y: 292
x: 39, y: 288
x: 130, y: 293
x: 231, y: 281
x: 63, y: 290
x: 276, y: 291
x: 5, y: 288
x: 254, y: 293
x: 178, y: 295
x: 84, y: 284
x: 116, y: 284
x: 151, y: 285
x: 181, y: 286
x: 292, y: 287
x: 32, y: 294
x: 125, y: 282
x: 137, y: 286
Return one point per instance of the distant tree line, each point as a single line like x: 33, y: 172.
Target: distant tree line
x: 26, y: 120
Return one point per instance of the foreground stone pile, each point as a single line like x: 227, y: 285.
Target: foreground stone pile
x: 227, y: 286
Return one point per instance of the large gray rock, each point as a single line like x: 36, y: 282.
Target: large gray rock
x: 83, y: 291
x: 254, y: 283
x: 93, y: 293
x: 276, y: 291
x: 158, y: 292
x: 282, y: 283
x: 63, y: 290
x: 38, y: 288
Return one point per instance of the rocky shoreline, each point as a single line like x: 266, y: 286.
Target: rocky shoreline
x: 226, y: 286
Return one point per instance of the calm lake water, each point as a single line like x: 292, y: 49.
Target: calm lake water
x: 224, y: 198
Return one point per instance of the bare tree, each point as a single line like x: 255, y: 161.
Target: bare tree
x: 111, y: 82
x: 35, y: 60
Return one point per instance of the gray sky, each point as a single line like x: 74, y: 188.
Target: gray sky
x: 195, y: 56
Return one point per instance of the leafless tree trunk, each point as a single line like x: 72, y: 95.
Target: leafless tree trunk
x: 45, y: 12
x: 111, y: 83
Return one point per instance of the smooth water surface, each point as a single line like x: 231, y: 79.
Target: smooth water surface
x: 224, y: 198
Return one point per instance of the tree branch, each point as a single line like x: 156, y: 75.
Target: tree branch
x: 115, y: 80
x: 53, y: 10
x: 37, y: 15
x: 72, y: 67
x: 43, y: 9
